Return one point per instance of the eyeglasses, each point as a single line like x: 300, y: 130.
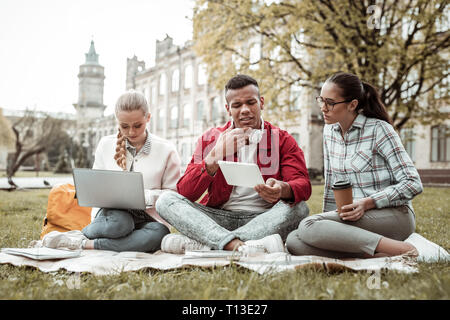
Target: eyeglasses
x: 328, y: 103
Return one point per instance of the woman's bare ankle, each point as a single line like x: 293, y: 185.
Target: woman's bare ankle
x: 233, y: 245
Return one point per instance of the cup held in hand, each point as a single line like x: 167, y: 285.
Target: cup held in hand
x: 342, y: 194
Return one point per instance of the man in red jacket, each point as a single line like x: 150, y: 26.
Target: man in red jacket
x: 228, y: 217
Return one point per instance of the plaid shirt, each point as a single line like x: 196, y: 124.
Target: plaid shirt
x: 372, y: 157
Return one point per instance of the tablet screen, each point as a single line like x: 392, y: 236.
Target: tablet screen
x: 241, y: 174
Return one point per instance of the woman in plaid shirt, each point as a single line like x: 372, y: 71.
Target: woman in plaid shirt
x: 361, y: 146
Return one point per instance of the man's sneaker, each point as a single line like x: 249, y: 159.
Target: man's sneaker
x: 269, y: 244
x: 428, y: 251
x: 72, y: 240
x: 178, y: 244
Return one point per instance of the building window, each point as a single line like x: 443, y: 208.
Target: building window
x: 187, y: 113
x: 188, y: 77
x: 201, y: 74
x: 296, y: 136
x: 440, y: 143
x: 295, y: 98
x: 407, y: 136
x: 200, y: 111
x: 173, y: 117
x: 175, y: 80
x: 254, y: 56
x: 147, y: 94
x: 153, y: 97
x: 237, y: 60
x: 162, y: 84
x: 215, y: 110
x: 160, y: 124
x: 185, y: 154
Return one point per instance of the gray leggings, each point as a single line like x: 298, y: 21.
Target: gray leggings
x: 327, y: 235
x: 118, y: 230
x: 216, y: 227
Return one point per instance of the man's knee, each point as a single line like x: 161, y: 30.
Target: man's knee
x: 164, y: 201
x: 302, y: 209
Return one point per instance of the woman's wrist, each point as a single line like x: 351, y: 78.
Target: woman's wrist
x: 369, y: 203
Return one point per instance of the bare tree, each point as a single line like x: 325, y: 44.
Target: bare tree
x: 34, y: 133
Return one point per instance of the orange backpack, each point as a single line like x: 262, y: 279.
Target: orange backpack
x: 63, y: 212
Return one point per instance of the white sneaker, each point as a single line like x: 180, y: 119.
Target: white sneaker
x: 269, y: 244
x: 35, y: 244
x: 72, y: 240
x: 428, y: 251
x: 178, y: 244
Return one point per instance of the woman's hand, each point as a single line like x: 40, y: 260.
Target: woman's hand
x: 354, y: 211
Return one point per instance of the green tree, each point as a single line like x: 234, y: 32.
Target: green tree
x: 399, y: 46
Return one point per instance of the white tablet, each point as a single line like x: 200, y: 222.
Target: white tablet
x: 241, y: 174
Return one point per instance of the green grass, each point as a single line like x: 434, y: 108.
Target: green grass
x: 21, y: 214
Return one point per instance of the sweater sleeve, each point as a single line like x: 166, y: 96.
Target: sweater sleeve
x: 170, y: 177
x: 407, y: 181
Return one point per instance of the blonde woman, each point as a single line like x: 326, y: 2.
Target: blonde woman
x: 134, y: 148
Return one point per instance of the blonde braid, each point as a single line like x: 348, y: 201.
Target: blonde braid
x: 120, y: 155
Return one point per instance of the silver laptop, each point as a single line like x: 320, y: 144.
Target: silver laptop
x: 109, y: 189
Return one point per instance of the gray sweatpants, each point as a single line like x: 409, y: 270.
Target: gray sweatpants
x: 326, y: 234
x: 217, y: 227
x: 119, y: 230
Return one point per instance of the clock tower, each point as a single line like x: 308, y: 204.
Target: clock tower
x: 90, y: 87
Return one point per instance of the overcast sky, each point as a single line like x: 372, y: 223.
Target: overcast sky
x: 43, y: 42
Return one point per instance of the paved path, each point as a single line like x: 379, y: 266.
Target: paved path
x: 35, y: 182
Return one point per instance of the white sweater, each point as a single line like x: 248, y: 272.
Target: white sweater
x: 160, y: 168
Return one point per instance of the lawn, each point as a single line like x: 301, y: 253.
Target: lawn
x: 21, y: 215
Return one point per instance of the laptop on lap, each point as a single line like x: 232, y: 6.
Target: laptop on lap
x: 109, y: 189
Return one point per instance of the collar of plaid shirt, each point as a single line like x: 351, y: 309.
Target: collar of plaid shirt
x: 359, y: 122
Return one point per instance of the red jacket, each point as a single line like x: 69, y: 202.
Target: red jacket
x: 278, y: 157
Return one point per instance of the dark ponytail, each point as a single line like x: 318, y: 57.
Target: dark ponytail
x: 372, y: 105
x: 369, y: 101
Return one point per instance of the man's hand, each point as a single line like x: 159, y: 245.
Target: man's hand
x: 274, y: 190
x: 227, y: 144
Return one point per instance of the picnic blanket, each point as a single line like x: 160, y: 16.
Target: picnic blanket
x: 101, y: 262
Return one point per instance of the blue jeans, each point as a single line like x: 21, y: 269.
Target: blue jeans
x: 216, y: 227
x: 119, y: 230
